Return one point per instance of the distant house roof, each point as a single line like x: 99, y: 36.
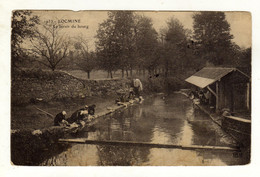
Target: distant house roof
x: 209, y: 75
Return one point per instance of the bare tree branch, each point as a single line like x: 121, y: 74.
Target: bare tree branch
x: 50, y: 43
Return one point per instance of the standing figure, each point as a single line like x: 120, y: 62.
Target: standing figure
x: 138, y: 87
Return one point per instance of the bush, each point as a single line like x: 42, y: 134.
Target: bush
x: 161, y: 84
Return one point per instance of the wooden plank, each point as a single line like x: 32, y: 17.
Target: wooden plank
x: 239, y: 119
x: 147, y: 144
x: 76, y: 140
x: 212, y: 91
x: 49, y: 114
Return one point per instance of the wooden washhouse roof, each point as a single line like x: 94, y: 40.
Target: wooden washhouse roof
x: 209, y: 75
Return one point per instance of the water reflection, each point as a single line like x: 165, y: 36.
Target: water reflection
x: 187, y: 134
x: 122, y: 156
x: 165, y: 121
x: 176, y: 157
x: 77, y: 155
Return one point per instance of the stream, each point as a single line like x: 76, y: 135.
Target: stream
x: 170, y: 120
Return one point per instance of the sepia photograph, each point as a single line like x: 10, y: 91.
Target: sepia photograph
x: 130, y: 88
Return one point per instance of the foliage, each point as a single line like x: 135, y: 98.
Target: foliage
x: 175, y: 41
x: 23, y: 26
x: 212, y: 36
x: 146, y: 44
x: 246, y: 57
x: 115, y: 45
x: 245, y: 61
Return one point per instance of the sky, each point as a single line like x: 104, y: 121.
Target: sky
x: 240, y: 23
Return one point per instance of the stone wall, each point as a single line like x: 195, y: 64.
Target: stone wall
x: 47, y: 85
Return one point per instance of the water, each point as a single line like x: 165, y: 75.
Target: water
x: 171, y: 120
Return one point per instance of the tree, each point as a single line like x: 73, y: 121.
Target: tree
x: 212, y: 36
x: 50, y: 44
x: 115, y: 45
x: 23, y: 26
x: 146, y: 44
x: 245, y: 60
x: 85, y: 60
x: 106, y: 47
x: 246, y: 57
x: 174, y: 42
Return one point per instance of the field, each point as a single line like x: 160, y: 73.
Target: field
x: 98, y: 74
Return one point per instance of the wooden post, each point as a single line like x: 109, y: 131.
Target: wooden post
x: 217, y: 95
x: 221, y: 95
x: 232, y: 98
